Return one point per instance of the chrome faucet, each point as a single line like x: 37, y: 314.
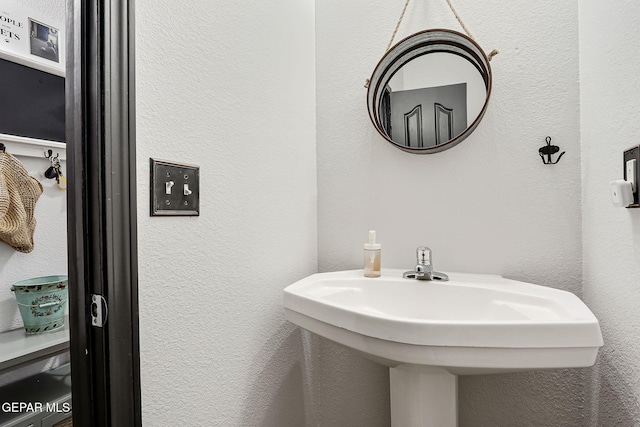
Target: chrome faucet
x: 424, y: 267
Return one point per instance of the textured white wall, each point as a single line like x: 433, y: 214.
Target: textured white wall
x: 609, y: 88
x: 228, y: 86
x: 488, y: 205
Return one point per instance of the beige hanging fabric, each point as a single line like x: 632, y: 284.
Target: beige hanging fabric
x: 19, y: 193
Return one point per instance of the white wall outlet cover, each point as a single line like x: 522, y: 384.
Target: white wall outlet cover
x: 621, y: 193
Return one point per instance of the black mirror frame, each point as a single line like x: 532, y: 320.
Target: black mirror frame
x: 422, y: 43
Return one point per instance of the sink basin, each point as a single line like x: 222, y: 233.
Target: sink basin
x: 471, y: 324
x: 428, y: 332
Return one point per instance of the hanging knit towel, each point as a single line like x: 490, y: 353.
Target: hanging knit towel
x: 19, y: 193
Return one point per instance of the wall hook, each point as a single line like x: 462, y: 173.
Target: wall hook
x: 54, y: 171
x: 548, y: 150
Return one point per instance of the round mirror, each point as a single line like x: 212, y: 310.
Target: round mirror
x: 429, y: 91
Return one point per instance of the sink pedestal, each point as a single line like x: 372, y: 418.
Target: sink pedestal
x: 423, y: 396
x: 428, y: 332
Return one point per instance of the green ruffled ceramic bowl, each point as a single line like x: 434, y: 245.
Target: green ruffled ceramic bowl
x: 42, y: 302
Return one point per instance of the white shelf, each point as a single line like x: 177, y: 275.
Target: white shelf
x: 31, y: 147
x: 33, y: 62
x: 17, y: 348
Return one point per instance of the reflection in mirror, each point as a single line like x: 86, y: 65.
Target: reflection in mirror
x: 429, y: 91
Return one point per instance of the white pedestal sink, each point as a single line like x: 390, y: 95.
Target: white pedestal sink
x: 428, y: 332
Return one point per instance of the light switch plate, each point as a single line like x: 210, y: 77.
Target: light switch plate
x: 631, y: 154
x: 175, y: 189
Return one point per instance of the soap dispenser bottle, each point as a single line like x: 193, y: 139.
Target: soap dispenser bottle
x: 372, y: 256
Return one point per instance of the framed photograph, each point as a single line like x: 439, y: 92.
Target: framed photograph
x: 32, y: 71
x: 30, y: 39
x: 43, y: 40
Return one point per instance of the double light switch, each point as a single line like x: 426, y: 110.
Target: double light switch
x: 168, y: 188
x: 175, y: 188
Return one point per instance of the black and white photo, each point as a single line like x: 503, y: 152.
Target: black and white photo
x: 32, y: 39
x: 44, y: 40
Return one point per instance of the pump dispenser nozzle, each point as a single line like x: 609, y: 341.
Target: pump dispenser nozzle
x: 372, y: 245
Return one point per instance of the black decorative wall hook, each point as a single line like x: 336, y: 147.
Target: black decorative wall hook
x: 548, y: 150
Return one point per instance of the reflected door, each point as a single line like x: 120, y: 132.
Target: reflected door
x: 427, y: 117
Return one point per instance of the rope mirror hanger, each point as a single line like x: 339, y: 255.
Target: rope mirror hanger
x: 491, y: 54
